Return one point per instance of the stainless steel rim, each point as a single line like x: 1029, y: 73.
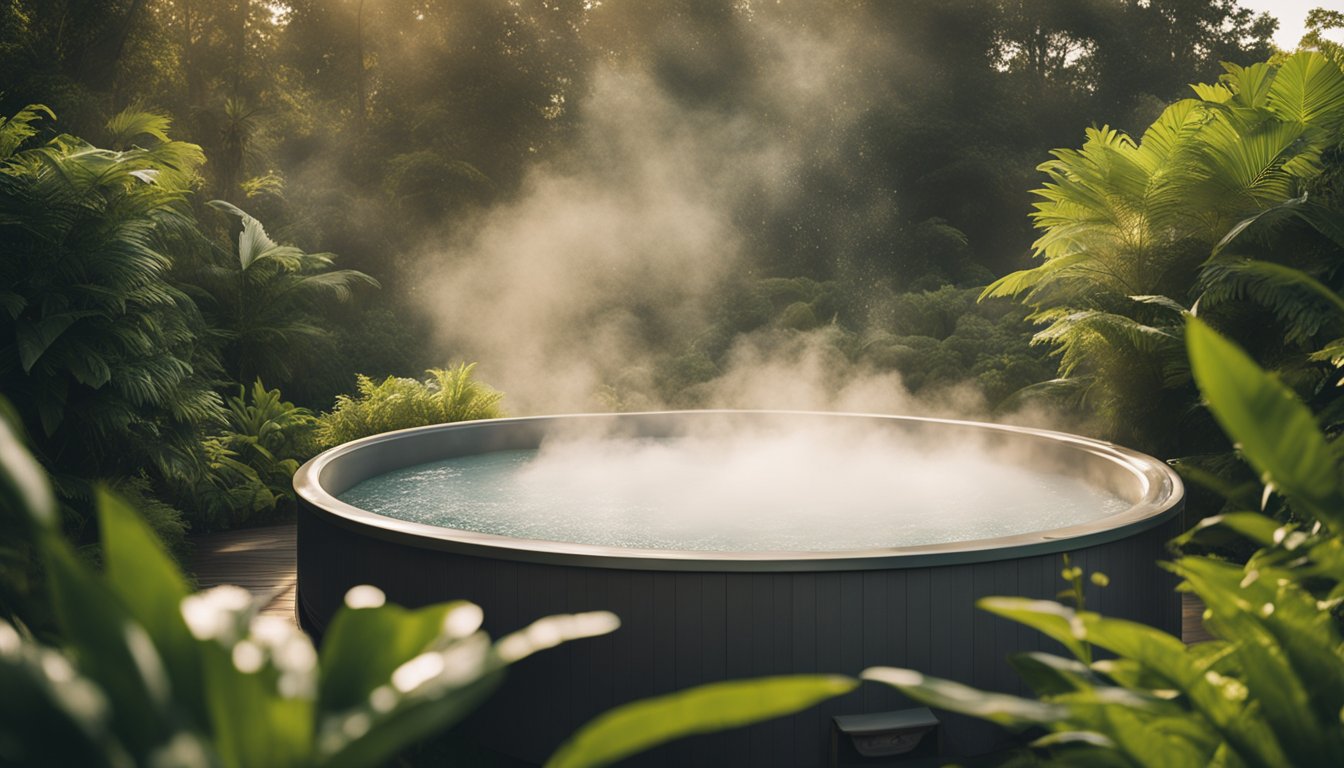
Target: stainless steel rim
x: 1161, y: 497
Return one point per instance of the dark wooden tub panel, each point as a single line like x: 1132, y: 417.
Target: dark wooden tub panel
x: 685, y: 628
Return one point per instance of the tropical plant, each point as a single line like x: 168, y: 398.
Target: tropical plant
x: 449, y: 394
x: 252, y: 460
x: 1269, y: 690
x: 266, y: 301
x: 1133, y: 232
x: 99, y: 351
x: 148, y: 673
x: 231, y: 132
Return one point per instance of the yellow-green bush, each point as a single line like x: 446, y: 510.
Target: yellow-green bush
x: 449, y: 394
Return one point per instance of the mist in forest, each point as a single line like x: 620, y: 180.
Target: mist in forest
x: 626, y: 206
x: 622, y: 251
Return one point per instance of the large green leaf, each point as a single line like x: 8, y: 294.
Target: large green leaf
x: 1252, y: 83
x: 371, y: 735
x: 1274, y: 430
x: 1291, y: 653
x: 1049, y: 675
x: 50, y: 715
x: 253, y: 242
x: 24, y: 487
x: 366, y: 643
x: 642, y: 725
x: 111, y: 649
x: 434, y: 689
x: 1270, y: 214
x: 259, y: 675
x: 35, y: 337
x: 998, y: 708
x: 1159, y: 653
x: 1149, y: 732
x: 149, y: 584
x: 1059, y: 622
x: 1260, y: 529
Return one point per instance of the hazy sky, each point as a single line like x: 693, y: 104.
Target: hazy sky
x: 1291, y: 14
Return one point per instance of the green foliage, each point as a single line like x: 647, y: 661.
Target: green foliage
x: 163, y: 518
x: 425, y: 185
x: 267, y: 301
x: 252, y: 461
x: 1269, y: 690
x: 942, y: 338
x: 937, y: 340
x: 642, y: 725
x: 1274, y: 430
x: 148, y: 673
x: 16, y: 130
x: 1134, y: 229
x: 449, y: 394
x: 101, y: 352
x: 1319, y: 23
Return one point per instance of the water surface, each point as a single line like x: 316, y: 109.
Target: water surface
x: 776, y: 493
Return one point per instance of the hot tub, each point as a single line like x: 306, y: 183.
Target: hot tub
x: 721, y: 610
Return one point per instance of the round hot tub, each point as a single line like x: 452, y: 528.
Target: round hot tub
x: 736, y: 544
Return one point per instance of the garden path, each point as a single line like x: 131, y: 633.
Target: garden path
x: 262, y: 560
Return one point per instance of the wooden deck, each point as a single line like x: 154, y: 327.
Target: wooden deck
x: 262, y: 560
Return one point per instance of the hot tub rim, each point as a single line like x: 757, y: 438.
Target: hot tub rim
x: 1162, y: 499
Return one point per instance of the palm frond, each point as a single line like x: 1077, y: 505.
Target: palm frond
x: 1269, y: 215
x: 1303, y: 304
x: 1165, y: 302
x: 1250, y: 84
x: 1024, y: 281
x: 130, y: 124
x: 14, y: 131
x: 1216, y: 93
x: 1308, y: 89
x: 1332, y: 353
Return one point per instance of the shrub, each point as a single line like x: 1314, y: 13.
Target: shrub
x: 250, y: 464
x: 100, y: 352
x: 163, y: 518
x: 449, y: 394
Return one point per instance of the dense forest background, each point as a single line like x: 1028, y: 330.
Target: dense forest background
x: 607, y: 205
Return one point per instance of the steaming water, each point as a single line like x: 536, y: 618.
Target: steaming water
x: 755, y: 494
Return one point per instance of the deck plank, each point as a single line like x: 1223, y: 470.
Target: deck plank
x: 263, y: 561
x: 260, y: 560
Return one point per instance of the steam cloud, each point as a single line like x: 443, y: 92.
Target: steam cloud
x: 731, y: 486
x: 620, y: 254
